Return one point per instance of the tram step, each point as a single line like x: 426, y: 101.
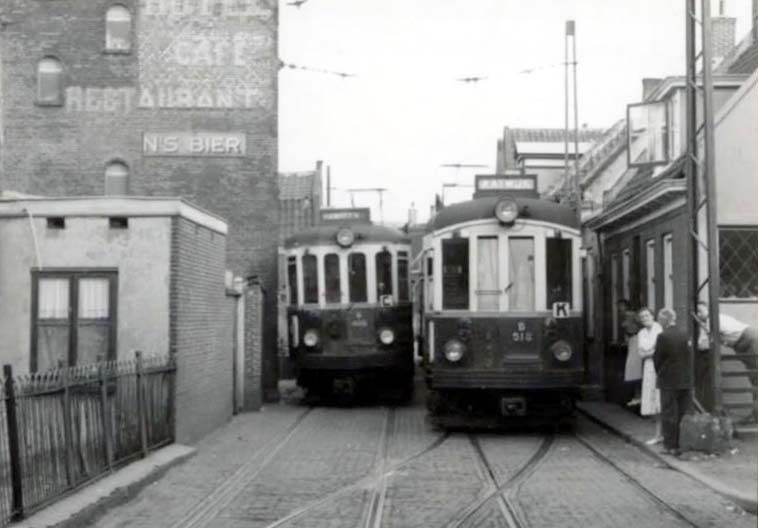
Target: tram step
x: 737, y: 357
x: 740, y: 391
x: 738, y: 405
x: 746, y: 372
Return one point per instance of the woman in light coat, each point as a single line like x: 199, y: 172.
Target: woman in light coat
x: 651, y: 396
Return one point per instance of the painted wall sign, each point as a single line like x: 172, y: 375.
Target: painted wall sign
x: 194, y: 144
x: 206, y: 54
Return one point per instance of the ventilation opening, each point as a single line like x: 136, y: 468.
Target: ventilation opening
x: 56, y: 222
x: 118, y: 222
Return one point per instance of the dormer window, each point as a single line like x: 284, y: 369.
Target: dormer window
x: 648, y: 138
x: 50, y: 82
x: 118, y: 30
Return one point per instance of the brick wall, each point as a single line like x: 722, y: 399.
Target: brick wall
x: 200, y: 334
x: 254, y: 303
x: 64, y: 150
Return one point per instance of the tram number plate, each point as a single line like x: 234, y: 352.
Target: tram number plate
x: 513, y: 406
x: 521, y: 333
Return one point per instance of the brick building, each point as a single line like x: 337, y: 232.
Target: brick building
x: 299, y: 200
x: 153, y: 98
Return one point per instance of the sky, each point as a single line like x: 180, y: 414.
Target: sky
x: 403, y: 114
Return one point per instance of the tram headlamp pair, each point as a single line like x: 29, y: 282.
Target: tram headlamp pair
x: 310, y: 339
x: 562, y: 350
x: 386, y: 336
x: 454, y: 350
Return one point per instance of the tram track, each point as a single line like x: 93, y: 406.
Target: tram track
x: 499, y: 491
x: 372, y: 517
x: 373, y: 514
x: 223, y: 495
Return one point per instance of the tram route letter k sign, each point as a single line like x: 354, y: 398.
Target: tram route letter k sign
x: 561, y: 310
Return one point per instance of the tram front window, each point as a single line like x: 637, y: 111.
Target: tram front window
x: 292, y: 279
x: 310, y: 279
x: 402, y: 275
x: 356, y: 263
x: 332, y: 278
x: 455, y: 274
x: 383, y: 273
x: 558, y: 265
x: 487, y: 279
x: 521, y: 280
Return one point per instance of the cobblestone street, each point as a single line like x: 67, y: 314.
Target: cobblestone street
x: 379, y: 466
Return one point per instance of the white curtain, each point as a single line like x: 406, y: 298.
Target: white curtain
x: 488, y: 289
x: 93, y: 298
x: 521, y: 252
x: 53, y: 298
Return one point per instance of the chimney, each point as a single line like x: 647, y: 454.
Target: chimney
x: 648, y: 85
x: 723, y: 35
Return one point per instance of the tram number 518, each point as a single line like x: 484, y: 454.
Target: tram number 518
x: 521, y: 335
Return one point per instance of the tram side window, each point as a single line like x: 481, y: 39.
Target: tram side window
x: 430, y: 283
x: 310, y: 279
x: 455, y: 274
x: 402, y: 275
x: 332, y: 278
x: 292, y: 279
x: 383, y: 273
x: 356, y: 263
x: 521, y: 280
x: 559, y: 273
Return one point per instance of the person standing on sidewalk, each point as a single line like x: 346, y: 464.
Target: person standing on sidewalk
x: 633, y: 365
x: 738, y: 336
x: 672, y: 364
x: 651, y: 397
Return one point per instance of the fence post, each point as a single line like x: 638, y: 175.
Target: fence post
x: 68, y: 435
x: 141, y: 404
x: 13, y: 444
x: 106, y: 415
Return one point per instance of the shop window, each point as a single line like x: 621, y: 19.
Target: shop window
x: 521, y: 283
x: 625, y: 275
x: 116, y: 179
x: 383, y: 273
x: 615, y: 298
x: 487, y: 274
x: 74, y: 319
x: 559, y: 270
x: 402, y: 276
x: 356, y: 263
x: 738, y: 256
x: 332, y: 278
x: 455, y: 270
x: 50, y: 82
x: 668, y: 271
x: 650, y: 274
x: 292, y: 279
x: 310, y: 279
x: 118, y: 29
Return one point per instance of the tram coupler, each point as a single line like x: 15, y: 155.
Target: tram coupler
x: 513, y: 406
x: 344, y: 386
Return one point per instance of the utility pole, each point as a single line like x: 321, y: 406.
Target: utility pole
x: 573, y: 184
x: 379, y: 190
x: 701, y: 180
x: 458, y: 167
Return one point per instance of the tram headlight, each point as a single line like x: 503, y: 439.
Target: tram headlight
x: 386, y: 336
x: 506, y: 210
x: 562, y: 351
x: 454, y: 350
x: 310, y: 339
x: 345, y: 237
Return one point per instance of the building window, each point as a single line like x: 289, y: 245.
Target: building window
x: 650, y: 274
x: 356, y: 264
x: 625, y: 276
x: 74, y: 319
x: 615, y: 297
x: 332, y: 278
x: 521, y: 283
x: 116, y: 179
x: 50, y: 82
x: 292, y: 279
x: 383, y: 274
x: 738, y: 256
x: 455, y: 274
x: 310, y: 279
x: 668, y: 271
x: 118, y: 29
x: 430, y: 283
x: 402, y: 276
x: 487, y: 274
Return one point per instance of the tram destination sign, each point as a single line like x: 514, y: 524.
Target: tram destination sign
x: 194, y: 144
x: 345, y: 216
x: 522, y: 184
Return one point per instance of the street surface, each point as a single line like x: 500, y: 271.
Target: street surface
x: 383, y: 466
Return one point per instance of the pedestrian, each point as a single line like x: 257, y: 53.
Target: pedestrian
x: 672, y: 364
x: 633, y: 365
x: 735, y: 334
x: 651, y: 397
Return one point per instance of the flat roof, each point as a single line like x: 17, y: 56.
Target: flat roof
x: 12, y: 206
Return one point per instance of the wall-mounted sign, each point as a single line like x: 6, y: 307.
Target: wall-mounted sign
x: 196, y: 144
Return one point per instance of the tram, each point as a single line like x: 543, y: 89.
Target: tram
x: 349, y: 313
x: 502, y: 325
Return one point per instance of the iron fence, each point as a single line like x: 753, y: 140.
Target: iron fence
x: 62, y: 428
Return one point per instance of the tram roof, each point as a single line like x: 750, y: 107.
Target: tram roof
x: 484, y: 209
x: 325, y: 235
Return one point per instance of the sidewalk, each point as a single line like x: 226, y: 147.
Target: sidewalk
x: 733, y: 474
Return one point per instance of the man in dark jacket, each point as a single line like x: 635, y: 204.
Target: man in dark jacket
x: 672, y: 365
